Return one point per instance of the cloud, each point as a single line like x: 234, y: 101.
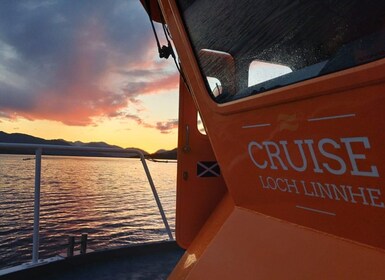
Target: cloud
x: 8, y: 116
x: 152, y: 86
x: 4, y: 115
x: 138, y: 120
x: 74, y: 61
x: 167, y: 127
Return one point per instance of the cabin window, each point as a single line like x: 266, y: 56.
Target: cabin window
x: 260, y: 72
x: 215, y: 86
x: 239, y: 42
x: 200, y: 125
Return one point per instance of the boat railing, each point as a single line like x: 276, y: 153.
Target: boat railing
x: 39, y: 149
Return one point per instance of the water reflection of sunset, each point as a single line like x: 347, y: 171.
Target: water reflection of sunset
x: 107, y: 198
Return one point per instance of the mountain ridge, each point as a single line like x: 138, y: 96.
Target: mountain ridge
x: 22, y: 138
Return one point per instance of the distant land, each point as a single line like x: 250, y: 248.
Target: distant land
x: 28, y: 139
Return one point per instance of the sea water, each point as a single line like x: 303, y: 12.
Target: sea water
x: 109, y: 199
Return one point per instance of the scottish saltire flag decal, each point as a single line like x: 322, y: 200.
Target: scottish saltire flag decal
x: 208, y: 169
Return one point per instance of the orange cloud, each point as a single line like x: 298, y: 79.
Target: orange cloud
x: 84, y: 67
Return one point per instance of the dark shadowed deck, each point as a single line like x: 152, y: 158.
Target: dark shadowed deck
x: 148, y: 261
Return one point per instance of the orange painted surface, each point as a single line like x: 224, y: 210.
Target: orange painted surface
x: 197, y: 196
x: 338, y: 120
x: 195, y: 251
x: 154, y: 9
x: 304, y: 167
x: 254, y: 246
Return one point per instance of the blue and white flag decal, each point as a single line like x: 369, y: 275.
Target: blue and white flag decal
x: 208, y: 169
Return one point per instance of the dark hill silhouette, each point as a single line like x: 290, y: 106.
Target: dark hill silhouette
x: 28, y: 139
x: 163, y: 154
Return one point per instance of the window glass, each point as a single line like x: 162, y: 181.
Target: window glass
x: 215, y: 86
x: 201, y: 127
x: 260, y: 71
x: 239, y: 42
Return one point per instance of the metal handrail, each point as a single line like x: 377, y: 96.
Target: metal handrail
x: 40, y: 148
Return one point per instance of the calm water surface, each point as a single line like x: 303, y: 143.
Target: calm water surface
x: 107, y: 198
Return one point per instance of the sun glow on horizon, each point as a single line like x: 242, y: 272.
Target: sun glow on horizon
x: 123, y: 134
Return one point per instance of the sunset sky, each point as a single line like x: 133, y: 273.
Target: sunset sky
x: 85, y: 70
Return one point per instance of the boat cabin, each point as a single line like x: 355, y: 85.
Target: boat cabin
x: 290, y: 94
